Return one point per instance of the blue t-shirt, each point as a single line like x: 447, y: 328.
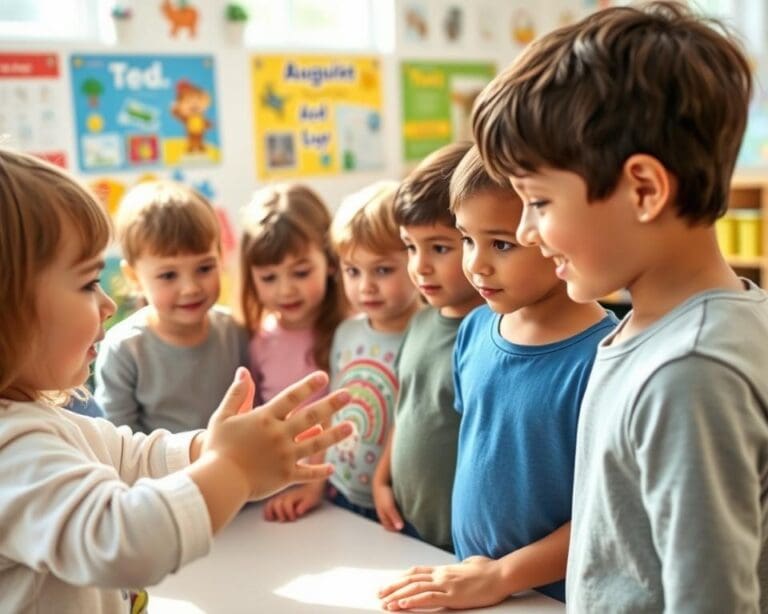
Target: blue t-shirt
x: 519, y: 407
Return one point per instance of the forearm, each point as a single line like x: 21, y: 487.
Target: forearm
x: 542, y: 562
x: 223, y: 497
x: 383, y: 473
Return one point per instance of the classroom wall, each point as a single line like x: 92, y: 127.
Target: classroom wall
x: 234, y: 179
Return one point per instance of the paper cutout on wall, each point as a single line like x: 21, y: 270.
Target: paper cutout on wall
x: 415, y: 22
x: 182, y: 16
x: 139, y: 111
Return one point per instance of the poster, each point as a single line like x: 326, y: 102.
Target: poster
x: 316, y: 115
x: 437, y: 103
x: 139, y: 111
x: 31, y: 105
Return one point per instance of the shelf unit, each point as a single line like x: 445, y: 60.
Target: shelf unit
x: 750, y: 191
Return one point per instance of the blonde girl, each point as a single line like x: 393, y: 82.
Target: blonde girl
x: 292, y: 299
x: 84, y: 504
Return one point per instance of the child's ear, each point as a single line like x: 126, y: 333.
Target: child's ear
x: 651, y: 186
x: 129, y: 273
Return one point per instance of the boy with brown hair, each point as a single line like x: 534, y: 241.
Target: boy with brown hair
x: 670, y: 509
x: 413, y: 481
x: 520, y: 368
x: 166, y: 365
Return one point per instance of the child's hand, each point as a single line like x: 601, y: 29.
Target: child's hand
x: 294, y: 503
x: 386, y: 508
x: 252, y: 454
x: 474, y: 583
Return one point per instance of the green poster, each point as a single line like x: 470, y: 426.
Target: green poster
x: 437, y: 102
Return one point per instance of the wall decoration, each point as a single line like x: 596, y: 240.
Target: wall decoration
x: 134, y: 112
x: 415, y: 22
x: 31, y: 105
x: 316, y: 115
x: 182, y: 16
x: 437, y: 102
x: 523, y: 27
x: 453, y: 24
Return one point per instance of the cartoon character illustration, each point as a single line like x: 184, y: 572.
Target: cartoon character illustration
x: 189, y: 108
x: 181, y: 16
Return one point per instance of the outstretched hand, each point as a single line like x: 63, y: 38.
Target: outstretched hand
x: 250, y: 454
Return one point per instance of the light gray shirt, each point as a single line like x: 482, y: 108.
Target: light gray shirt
x: 147, y: 383
x: 670, y: 508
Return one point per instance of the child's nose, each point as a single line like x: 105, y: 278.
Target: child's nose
x: 527, y: 231
x: 423, y: 264
x: 475, y: 262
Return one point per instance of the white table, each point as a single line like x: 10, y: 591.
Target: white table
x: 332, y: 561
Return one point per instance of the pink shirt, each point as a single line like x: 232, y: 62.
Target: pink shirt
x: 279, y: 357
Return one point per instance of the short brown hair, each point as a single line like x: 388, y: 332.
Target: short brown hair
x: 471, y: 178
x: 656, y: 79
x: 423, y: 197
x: 36, y: 200
x: 165, y: 218
x: 366, y: 219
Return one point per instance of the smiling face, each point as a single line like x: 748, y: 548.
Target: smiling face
x: 434, y: 265
x: 507, y: 275
x: 180, y: 290
x: 378, y: 285
x: 591, y: 243
x: 71, y: 309
x: 294, y: 289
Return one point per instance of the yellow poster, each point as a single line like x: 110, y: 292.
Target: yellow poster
x: 316, y: 115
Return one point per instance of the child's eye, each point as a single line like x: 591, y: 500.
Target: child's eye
x: 441, y: 249
x: 267, y: 279
x: 467, y: 241
x: 410, y: 248
x: 351, y: 271
x: 302, y: 274
x: 384, y: 270
x: 92, y: 285
x: 207, y: 268
x: 167, y: 276
x: 538, y: 204
x: 502, y: 246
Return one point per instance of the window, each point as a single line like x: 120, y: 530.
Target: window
x: 54, y: 20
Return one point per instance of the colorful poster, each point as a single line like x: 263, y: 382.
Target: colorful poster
x: 437, y: 102
x: 317, y: 115
x: 138, y: 111
x: 31, y: 105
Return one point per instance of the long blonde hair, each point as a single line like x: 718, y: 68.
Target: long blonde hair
x: 35, y: 200
x: 282, y: 220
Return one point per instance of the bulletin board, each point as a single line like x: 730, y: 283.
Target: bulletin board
x: 437, y: 103
x: 31, y: 104
x: 317, y: 115
x: 141, y: 111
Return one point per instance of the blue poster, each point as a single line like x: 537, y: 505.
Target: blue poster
x: 134, y: 112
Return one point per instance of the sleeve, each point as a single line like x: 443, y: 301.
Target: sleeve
x: 116, y: 375
x: 458, y: 402
x: 64, y: 513
x: 255, y: 368
x: 699, y: 432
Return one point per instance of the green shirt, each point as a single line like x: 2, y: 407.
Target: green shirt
x: 426, y: 426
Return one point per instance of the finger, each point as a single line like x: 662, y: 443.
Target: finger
x: 323, y: 441
x: 247, y: 404
x: 428, y: 599
x: 310, y: 432
x: 236, y: 395
x: 280, y: 511
x: 403, y: 582
x: 412, y: 589
x: 395, y: 519
x: 269, y: 510
x: 294, y: 395
x: 303, y: 507
x: 319, y: 412
x: 390, y: 519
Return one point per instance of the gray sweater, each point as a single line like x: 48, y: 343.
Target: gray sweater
x: 147, y: 383
x: 670, y: 508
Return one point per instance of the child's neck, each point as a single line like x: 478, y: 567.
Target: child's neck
x: 182, y: 335
x: 678, y: 270
x: 554, y: 318
x: 395, y: 325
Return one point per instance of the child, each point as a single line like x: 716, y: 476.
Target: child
x: 292, y: 299
x: 670, y: 509
x: 166, y: 365
x: 87, y: 507
x: 427, y: 426
x: 520, y: 369
x: 374, y: 272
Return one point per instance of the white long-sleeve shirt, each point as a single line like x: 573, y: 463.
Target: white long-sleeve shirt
x: 88, y: 509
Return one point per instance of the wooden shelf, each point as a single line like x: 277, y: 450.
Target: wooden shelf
x: 749, y: 190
